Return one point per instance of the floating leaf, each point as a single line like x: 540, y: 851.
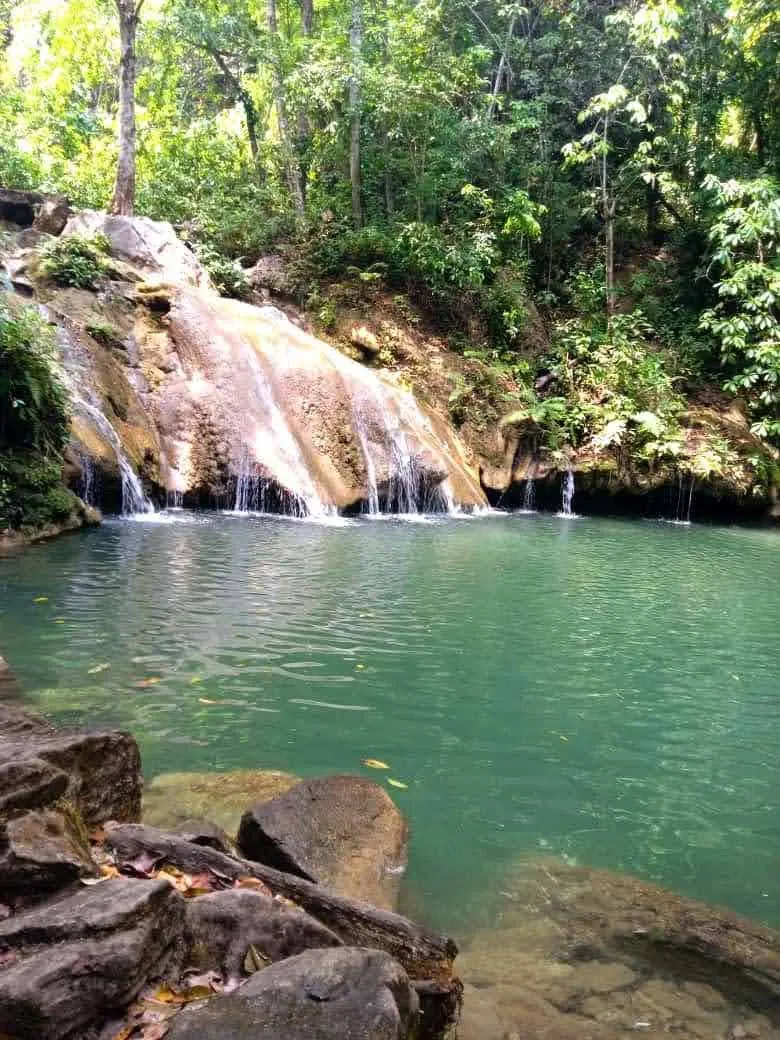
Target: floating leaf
x: 41, y: 599
x: 396, y: 783
x: 98, y: 668
x: 59, y: 621
x: 195, y: 680
x: 564, y: 739
x: 143, y: 683
x: 360, y: 667
x: 375, y: 763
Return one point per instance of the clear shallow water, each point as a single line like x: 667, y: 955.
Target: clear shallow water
x: 602, y: 691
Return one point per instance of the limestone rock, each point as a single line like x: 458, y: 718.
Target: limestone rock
x: 150, y: 245
x: 40, y: 852
x: 364, y: 338
x: 270, y: 273
x: 46, y: 213
x: 69, y: 963
x: 222, y: 926
x: 345, y: 994
x: 341, y: 832
x: 203, y: 832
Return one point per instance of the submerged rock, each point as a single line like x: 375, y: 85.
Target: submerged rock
x: 66, y: 965
x: 221, y: 927
x: 345, y: 994
x: 172, y: 800
x: 579, y: 954
x: 342, y: 832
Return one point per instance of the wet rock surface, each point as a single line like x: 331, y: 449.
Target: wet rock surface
x: 66, y: 964
x: 348, y: 994
x: 580, y: 954
x: 221, y: 928
x: 342, y: 832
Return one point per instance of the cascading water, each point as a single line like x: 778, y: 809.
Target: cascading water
x: 133, y: 498
x: 87, y: 482
x: 529, y: 496
x: 684, y: 499
x: 567, y: 493
x: 255, y: 493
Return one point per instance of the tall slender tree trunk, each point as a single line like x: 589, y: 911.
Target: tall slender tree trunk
x: 289, y: 157
x: 123, y: 199
x: 608, y: 209
x: 389, y: 198
x: 502, y: 64
x: 251, y: 117
x: 307, y: 17
x: 355, y: 47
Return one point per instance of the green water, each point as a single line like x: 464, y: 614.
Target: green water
x: 601, y: 691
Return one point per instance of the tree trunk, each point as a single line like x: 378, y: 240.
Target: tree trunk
x: 355, y: 47
x: 608, y: 208
x: 123, y: 200
x: 389, y: 199
x: 247, y: 102
x: 307, y: 17
x: 289, y: 158
x: 501, y: 68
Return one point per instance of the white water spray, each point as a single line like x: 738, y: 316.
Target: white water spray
x: 567, y: 493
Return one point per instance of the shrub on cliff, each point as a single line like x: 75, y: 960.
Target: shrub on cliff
x: 76, y: 261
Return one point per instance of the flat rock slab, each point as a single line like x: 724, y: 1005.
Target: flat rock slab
x: 344, y: 994
x: 41, y: 852
x: 222, y: 926
x: 341, y: 832
x: 102, y: 769
x: 68, y: 964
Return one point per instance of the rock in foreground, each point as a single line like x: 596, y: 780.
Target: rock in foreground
x: 346, y: 994
x: 67, y: 964
x: 341, y: 832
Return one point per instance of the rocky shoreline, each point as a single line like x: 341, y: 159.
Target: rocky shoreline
x: 114, y: 929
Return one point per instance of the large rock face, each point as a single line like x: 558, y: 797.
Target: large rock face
x: 342, y: 832
x: 347, y: 994
x: 41, y: 852
x: 219, y: 402
x: 65, y: 965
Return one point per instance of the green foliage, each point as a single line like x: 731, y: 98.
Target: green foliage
x: 745, y: 322
x: 227, y: 275
x: 34, y: 423
x: 76, y: 261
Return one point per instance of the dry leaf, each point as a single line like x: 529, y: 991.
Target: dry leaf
x: 142, y: 865
x: 396, y: 783
x: 205, y: 700
x: 254, y: 883
x: 98, y: 668
x: 375, y: 763
x: 152, y: 681
x: 41, y: 599
x: 255, y: 961
x: 124, y: 1033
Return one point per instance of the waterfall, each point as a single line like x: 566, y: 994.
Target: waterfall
x: 174, y: 499
x: 529, y: 496
x: 684, y: 499
x: 87, y: 482
x: 133, y: 498
x: 567, y: 493
x: 257, y: 493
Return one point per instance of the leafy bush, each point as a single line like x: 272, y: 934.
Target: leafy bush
x: 34, y: 423
x: 76, y: 261
x: 227, y: 275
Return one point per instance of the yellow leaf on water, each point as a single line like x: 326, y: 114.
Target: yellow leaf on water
x: 375, y: 763
x: 564, y: 739
x: 205, y: 700
x: 98, y: 668
x: 195, y: 680
x: 59, y: 621
x: 143, y: 683
x: 41, y: 599
x: 360, y: 667
x: 396, y: 783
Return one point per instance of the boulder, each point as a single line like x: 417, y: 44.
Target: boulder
x: 365, y: 339
x: 345, y: 994
x: 222, y: 926
x: 103, y: 769
x: 270, y: 273
x: 40, y: 852
x: 30, y: 784
x: 64, y: 966
x: 46, y: 213
x: 151, y: 246
x: 341, y: 832
x: 203, y: 832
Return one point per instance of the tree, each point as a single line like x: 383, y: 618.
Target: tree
x: 289, y: 157
x: 355, y: 78
x: 123, y: 199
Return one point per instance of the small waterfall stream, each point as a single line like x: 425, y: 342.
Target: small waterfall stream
x: 684, y: 504
x: 567, y: 493
x: 133, y: 498
x: 529, y: 496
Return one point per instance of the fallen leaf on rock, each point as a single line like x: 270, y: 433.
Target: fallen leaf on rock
x: 254, y: 883
x: 180, y: 881
x: 92, y: 880
x: 166, y: 995
x: 210, y: 980
x: 375, y: 763
x: 98, y: 668
x: 154, y: 1031
x: 97, y: 836
x: 396, y: 783
x: 124, y: 1033
x: 143, y: 683
x: 255, y: 961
